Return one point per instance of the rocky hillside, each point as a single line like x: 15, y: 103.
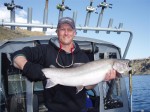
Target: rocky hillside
x: 140, y: 66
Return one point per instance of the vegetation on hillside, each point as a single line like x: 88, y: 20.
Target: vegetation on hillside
x: 7, y: 33
x: 141, y: 66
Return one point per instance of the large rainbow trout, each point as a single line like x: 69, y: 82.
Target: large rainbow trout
x: 86, y: 74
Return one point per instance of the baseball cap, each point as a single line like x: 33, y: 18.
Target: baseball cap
x: 67, y: 20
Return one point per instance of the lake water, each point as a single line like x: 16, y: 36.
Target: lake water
x: 141, y: 93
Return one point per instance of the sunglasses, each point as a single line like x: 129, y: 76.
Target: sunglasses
x: 62, y: 66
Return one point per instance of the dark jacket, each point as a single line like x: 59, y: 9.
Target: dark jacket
x: 59, y: 98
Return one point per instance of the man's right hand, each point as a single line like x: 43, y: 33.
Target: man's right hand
x: 30, y: 70
x: 33, y: 72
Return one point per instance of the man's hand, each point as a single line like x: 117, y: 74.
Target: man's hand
x: 33, y: 72
x: 112, y: 74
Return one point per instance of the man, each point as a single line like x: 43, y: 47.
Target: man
x: 61, y: 52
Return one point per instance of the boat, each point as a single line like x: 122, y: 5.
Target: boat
x: 17, y: 90
x: 18, y: 94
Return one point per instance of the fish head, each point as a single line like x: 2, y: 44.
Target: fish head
x: 122, y: 65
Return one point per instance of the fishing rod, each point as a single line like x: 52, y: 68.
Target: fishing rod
x: 45, y: 18
x: 11, y: 6
x: 61, y: 7
x: 89, y: 10
x: 130, y: 85
x: 104, y: 5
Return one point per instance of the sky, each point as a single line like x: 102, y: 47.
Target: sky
x: 134, y: 14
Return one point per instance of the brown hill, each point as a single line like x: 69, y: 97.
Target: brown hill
x: 7, y: 33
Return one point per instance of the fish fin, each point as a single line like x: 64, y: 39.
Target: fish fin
x: 77, y: 64
x: 52, y: 66
x: 50, y: 83
x: 79, y: 88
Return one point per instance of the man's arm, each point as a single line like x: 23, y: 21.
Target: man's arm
x: 31, y: 70
x: 19, y: 62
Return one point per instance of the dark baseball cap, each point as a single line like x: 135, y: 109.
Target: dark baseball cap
x: 67, y: 20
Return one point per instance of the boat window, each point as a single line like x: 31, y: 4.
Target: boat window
x: 101, y: 55
x: 108, y: 55
x: 112, y: 55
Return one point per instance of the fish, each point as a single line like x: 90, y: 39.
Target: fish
x: 90, y: 73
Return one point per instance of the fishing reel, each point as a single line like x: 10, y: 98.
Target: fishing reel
x: 11, y: 6
x: 104, y: 5
x: 90, y: 9
x: 62, y: 7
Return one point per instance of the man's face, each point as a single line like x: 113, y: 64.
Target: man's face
x: 65, y: 34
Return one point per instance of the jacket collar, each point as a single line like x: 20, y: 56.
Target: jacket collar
x: 55, y: 42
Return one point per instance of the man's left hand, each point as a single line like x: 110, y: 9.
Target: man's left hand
x: 112, y: 74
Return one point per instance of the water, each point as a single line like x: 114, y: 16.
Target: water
x: 141, y: 93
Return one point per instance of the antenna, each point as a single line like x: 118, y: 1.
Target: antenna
x: 11, y: 6
x: 61, y: 7
x: 103, y: 5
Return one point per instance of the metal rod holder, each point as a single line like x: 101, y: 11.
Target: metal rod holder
x: 75, y: 16
x: 45, y: 18
x: 89, y: 10
x: 103, y: 5
x: 120, y: 27
x: 29, y: 19
x: 110, y: 25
